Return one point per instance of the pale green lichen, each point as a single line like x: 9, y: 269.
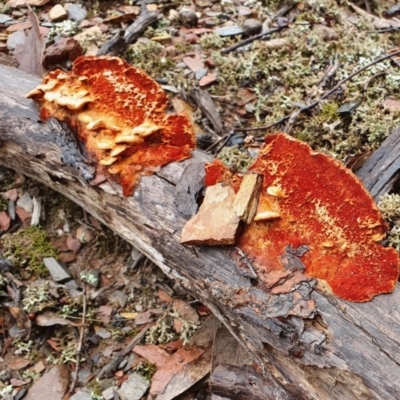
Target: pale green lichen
x: 394, y: 237
x: 163, y: 331
x: 26, y: 250
x: 37, y: 298
x: 235, y: 157
x: 389, y: 205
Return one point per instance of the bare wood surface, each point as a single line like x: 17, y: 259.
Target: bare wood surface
x: 343, y: 351
x: 233, y: 382
x: 381, y: 171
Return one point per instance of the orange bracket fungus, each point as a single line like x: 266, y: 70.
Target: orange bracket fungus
x: 118, y: 111
x: 314, y: 211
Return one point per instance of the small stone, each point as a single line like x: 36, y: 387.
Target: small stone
x: 93, y: 32
x: 208, y: 79
x: 200, y: 73
x: 216, y: 222
x: 75, y: 12
x: 11, y: 194
x: 51, y: 386
x: 84, y: 375
x: 188, y: 17
x: 102, y: 333
x: 57, y: 13
x: 108, y: 394
x: 151, y: 7
x: 26, y: 202
x: 66, y: 49
x: 4, y: 18
x: 251, y: 27
x: 134, y: 388
x: 118, y: 297
x: 57, y: 271
x: 229, y: 30
x: 24, y: 216
x: 15, y: 39
x: 81, y: 396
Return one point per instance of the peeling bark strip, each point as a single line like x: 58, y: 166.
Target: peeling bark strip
x: 346, y: 351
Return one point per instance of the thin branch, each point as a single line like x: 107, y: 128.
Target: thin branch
x: 81, y: 334
x: 251, y: 39
x: 323, y: 97
x: 221, y: 139
x: 113, y: 364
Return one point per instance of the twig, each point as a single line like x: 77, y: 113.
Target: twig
x: 323, y: 97
x: 260, y: 36
x: 113, y: 364
x: 247, y: 262
x: 227, y: 138
x: 81, y: 334
x: 219, y: 141
x: 13, y: 279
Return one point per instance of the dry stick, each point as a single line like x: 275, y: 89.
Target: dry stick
x: 260, y: 36
x: 222, y: 139
x: 81, y: 333
x: 228, y: 136
x: 113, y: 364
x: 323, y: 97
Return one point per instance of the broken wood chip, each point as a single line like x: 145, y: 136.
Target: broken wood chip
x: 246, y: 200
x: 216, y: 223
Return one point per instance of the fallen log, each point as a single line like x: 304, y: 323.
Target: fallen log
x: 344, y: 351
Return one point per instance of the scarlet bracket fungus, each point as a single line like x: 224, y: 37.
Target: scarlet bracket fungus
x: 118, y: 111
x: 312, y: 200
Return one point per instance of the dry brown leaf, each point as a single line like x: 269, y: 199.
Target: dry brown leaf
x: 186, y: 311
x: 49, y: 318
x: 129, y: 315
x: 379, y: 23
x: 5, y: 221
x: 174, y: 365
x: 30, y: 54
x: 153, y: 354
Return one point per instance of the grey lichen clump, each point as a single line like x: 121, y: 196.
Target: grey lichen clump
x: 234, y: 157
x: 389, y: 205
x: 163, y: 331
x: 390, y: 208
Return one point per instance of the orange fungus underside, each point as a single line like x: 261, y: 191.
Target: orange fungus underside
x: 322, y: 205
x: 119, y: 113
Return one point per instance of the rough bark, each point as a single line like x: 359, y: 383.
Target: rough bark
x: 343, y: 351
x: 380, y: 173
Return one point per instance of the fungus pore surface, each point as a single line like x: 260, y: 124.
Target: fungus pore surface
x: 317, y: 203
x: 118, y: 111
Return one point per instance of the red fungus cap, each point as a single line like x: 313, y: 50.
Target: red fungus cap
x: 319, y: 204
x: 118, y: 111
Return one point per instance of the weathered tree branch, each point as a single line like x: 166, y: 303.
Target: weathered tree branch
x: 345, y: 351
